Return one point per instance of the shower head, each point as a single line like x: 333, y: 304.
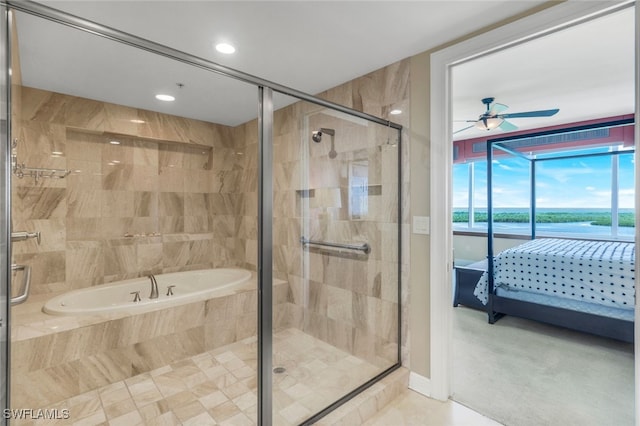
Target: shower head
x: 317, y: 135
x: 331, y: 132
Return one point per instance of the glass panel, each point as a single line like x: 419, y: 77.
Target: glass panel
x: 461, y: 200
x: 573, y: 197
x: 511, y: 194
x: 579, y: 191
x: 335, y: 304
x: 167, y: 189
x: 626, y: 196
x: 479, y: 194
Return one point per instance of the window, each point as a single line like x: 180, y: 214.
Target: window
x: 579, y: 192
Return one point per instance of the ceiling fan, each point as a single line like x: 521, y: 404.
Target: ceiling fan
x: 493, y: 118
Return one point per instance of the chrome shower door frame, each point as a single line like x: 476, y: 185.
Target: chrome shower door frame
x: 5, y: 209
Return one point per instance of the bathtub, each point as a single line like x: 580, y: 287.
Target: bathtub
x: 116, y: 297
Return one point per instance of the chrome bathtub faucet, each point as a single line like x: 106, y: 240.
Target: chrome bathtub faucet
x: 154, y: 287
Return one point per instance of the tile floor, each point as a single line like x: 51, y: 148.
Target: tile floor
x: 219, y: 387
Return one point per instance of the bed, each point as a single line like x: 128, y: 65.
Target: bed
x: 584, y: 285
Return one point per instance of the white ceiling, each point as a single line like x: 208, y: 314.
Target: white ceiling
x: 315, y: 45
x: 586, y: 71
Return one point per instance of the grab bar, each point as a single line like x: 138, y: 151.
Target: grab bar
x: 26, y: 283
x: 364, y: 247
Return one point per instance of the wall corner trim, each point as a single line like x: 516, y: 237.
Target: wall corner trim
x: 420, y: 384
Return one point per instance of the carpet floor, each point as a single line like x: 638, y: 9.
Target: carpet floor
x: 524, y: 373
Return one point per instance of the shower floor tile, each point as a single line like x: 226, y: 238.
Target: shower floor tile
x: 220, y: 387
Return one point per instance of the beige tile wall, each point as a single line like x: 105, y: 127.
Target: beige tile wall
x: 371, y: 328
x: 163, y: 200
x: 348, y: 300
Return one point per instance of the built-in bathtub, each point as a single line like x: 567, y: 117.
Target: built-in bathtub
x: 54, y: 357
x: 131, y: 296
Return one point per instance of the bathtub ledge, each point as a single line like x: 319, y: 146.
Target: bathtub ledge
x: 34, y: 324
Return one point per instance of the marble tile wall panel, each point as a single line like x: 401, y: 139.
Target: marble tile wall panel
x: 16, y: 92
x: 55, y: 108
x: 70, y: 111
x: 33, y: 202
x: 38, y: 143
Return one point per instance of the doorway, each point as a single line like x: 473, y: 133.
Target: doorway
x: 442, y: 62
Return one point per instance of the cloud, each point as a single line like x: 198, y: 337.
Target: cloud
x: 566, y: 184
x: 627, y: 198
x: 563, y: 175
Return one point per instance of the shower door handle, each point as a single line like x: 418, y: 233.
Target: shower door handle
x: 26, y: 283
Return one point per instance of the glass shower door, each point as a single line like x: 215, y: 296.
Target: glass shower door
x: 335, y: 258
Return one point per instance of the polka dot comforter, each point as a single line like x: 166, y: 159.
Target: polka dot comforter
x: 600, y: 272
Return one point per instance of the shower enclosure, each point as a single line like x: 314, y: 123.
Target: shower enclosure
x: 108, y: 187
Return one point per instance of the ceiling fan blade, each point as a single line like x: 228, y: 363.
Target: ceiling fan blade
x: 507, y: 126
x: 541, y: 113
x: 498, y: 108
x: 463, y: 129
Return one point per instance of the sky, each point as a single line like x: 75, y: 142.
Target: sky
x: 570, y: 183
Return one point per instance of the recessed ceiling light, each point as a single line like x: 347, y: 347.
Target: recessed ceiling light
x: 56, y: 152
x: 137, y: 121
x: 166, y: 98
x: 225, y: 48
x: 395, y: 112
x: 114, y: 142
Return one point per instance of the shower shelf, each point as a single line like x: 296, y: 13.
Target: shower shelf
x: 20, y: 170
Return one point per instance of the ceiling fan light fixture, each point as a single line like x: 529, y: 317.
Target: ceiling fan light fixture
x: 489, y: 123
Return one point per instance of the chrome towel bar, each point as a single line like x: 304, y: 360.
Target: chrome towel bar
x: 364, y: 247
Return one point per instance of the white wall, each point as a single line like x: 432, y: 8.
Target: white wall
x: 474, y: 248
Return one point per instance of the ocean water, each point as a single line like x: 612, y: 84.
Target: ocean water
x: 544, y: 210
x: 566, y: 229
